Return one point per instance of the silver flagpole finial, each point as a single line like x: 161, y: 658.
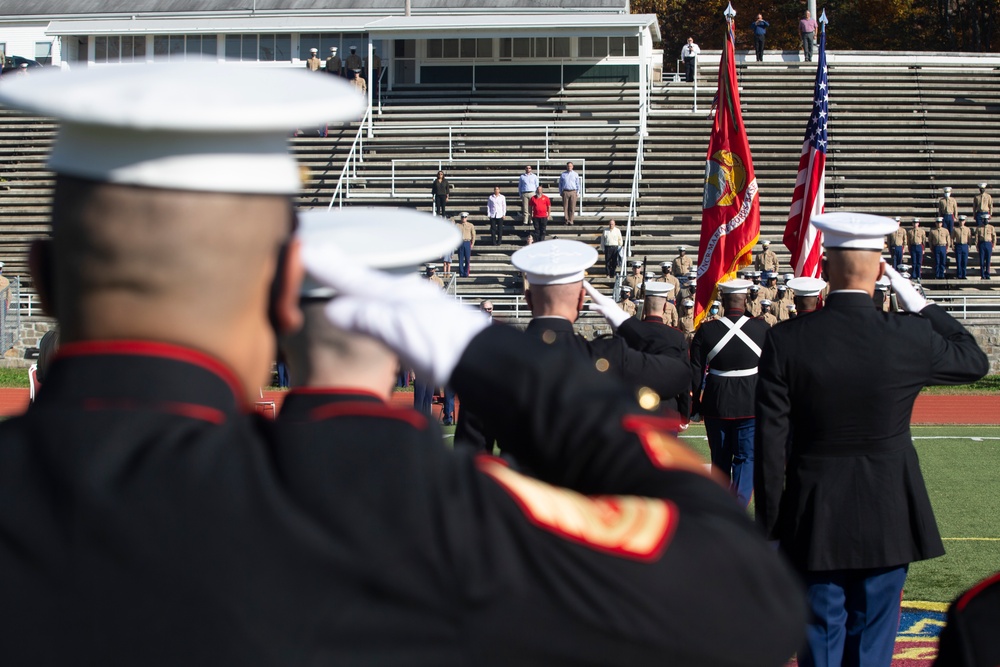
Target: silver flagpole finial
x: 730, y: 12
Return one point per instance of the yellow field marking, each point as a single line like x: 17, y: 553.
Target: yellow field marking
x: 971, y: 539
x: 925, y: 606
x: 921, y: 626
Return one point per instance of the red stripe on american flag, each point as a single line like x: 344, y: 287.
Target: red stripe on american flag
x: 802, y: 239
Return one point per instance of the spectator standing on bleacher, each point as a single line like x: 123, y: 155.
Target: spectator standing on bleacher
x: 689, y: 55
x: 611, y: 246
x: 468, y: 231
x: 896, y: 241
x: 940, y: 241
x: 962, y: 237
x: 541, y: 213
x: 982, y: 204
x: 948, y: 209
x: 333, y: 65
x: 526, y: 186
x: 569, y: 188
x: 496, y: 209
x: 441, y: 190
x: 314, y: 63
x: 986, y: 236
x: 916, y: 239
x: 760, y: 27
x: 807, y: 29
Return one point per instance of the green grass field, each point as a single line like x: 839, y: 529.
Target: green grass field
x: 963, y: 481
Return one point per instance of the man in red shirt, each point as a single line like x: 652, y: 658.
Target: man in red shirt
x: 541, y: 213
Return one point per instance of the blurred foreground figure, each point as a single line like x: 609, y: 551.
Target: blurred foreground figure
x: 837, y: 480
x: 970, y: 638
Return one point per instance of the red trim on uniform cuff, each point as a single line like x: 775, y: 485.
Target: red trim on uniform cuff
x: 333, y: 410
x: 335, y: 391
x: 976, y: 590
x: 145, y: 348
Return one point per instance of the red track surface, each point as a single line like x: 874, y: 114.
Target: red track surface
x: 929, y: 409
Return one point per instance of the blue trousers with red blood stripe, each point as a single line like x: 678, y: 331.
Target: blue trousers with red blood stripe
x: 854, y: 617
x: 731, y: 444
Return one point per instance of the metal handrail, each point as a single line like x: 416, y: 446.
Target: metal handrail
x: 354, y: 156
x: 488, y: 129
x: 633, y: 208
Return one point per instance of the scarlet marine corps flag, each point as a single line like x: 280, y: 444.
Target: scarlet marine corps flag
x: 730, y: 216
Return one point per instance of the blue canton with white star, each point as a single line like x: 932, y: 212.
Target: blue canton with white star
x: 816, y: 129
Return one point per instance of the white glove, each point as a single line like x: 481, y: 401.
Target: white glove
x: 605, y: 306
x: 906, y: 293
x: 426, y: 328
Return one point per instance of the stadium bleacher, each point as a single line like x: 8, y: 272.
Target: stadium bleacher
x: 899, y: 132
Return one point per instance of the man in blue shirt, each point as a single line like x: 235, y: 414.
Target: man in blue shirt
x: 760, y: 27
x: 526, y: 187
x: 569, y: 186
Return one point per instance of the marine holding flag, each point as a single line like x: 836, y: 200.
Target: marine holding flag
x: 730, y: 217
x: 804, y: 241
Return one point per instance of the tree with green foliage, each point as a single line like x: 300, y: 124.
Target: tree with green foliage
x: 857, y: 25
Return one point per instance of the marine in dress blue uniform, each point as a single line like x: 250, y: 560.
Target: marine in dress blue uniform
x: 970, y: 638
x: 837, y: 481
x: 724, y: 355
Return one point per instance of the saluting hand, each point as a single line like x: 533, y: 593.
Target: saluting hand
x: 606, y: 306
x: 906, y: 293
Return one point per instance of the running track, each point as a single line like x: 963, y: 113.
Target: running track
x: 929, y: 409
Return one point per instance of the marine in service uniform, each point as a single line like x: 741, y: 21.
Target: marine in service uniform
x: 940, y: 242
x: 982, y: 204
x: 333, y: 65
x: 766, y: 315
x: 313, y: 64
x: 432, y: 276
x: 916, y: 240
x: 635, y: 279
x: 753, y: 301
x: 354, y: 62
x: 769, y: 286
x: 766, y: 259
x: 681, y: 266
x: 986, y: 236
x: 685, y: 312
x: 947, y: 207
x: 852, y: 541
x: 625, y: 301
x: 724, y: 354
x: 667, y: 276
x: 896, y: 241
x: 963, y: 235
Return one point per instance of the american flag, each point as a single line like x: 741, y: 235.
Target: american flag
x: 802, y: 239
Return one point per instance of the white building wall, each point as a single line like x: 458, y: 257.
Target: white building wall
x: 21, y: 39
